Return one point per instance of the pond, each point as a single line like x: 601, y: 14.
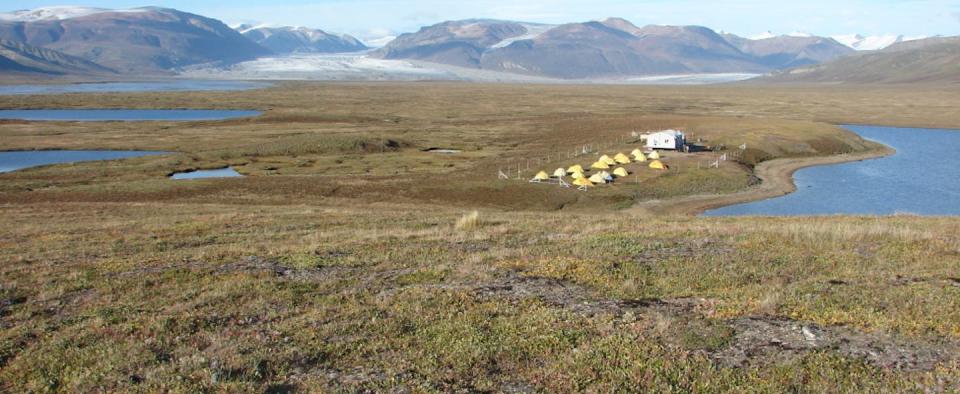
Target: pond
x: 201, y: 174
x: 12, y: 161
x: 126, y: 115
x: 180, y: 85
x: 922, y: 178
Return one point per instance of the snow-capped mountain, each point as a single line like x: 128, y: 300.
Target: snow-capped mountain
x: 872, y: 43
x: 380, y: 41
x: 286, y: 39
x: 58, y: 13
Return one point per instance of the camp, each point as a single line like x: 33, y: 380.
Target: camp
x: 620, y: 172
x: 541, y: 176
x: 598, y: 178
x: 559, y: 173
x: 653, y: 155
x: 607, y: 159
x: 578, y: 175
x: 622, y: 158
x: 600, y: 165
x: 658, y: 165
x: 574, y: 169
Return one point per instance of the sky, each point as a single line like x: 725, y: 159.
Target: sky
x: 370, y: 19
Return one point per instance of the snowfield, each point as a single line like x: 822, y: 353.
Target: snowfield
x: 59, y: 13
x: 347, y: 66
x: 360, y: 67
x: 533, y: 31
x: 872, y: 43
x: 691, y: 79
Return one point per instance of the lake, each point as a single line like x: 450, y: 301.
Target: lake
x: 12, y: 161
x: 181, y: 85
x: 126, y: 115
x: 201, y: 174
x: 922, y: 178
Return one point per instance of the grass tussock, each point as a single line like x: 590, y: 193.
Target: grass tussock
x: 468, y: 222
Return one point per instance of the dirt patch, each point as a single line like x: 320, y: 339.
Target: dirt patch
x: 765, y: 339
x: 738, y: 342
x: 906, y: 281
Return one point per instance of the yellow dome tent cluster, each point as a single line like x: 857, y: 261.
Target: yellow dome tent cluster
x: 604, y: 163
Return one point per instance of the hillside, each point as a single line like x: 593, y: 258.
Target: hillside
x: 287, y: 40
x: 790, y: 51
x: 17, y: 57
x: 149, y: 39
x: 934, y: 60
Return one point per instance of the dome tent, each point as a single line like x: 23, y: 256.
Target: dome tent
x: 575, y: 168
x: 598, y: 178
x: 606, y: 176
x: 653, y: 155
x: 620, y: 172
x: 559, y: 173
x: 637, y: 153
x: 541, y: 176
x: 607, y: 159
x: 578, y: 175
x: 658, y: 165
x: 583, y: 182
x: 621, y: 158
x: 600, y: 165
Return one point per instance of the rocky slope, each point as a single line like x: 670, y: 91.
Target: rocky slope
x: 17, y: 57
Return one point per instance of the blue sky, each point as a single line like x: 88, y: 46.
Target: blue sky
x: 372, y: 18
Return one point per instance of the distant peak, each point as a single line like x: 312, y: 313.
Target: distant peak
x: 763, y: 36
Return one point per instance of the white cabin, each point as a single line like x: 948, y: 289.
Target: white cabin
x: 667, y: 139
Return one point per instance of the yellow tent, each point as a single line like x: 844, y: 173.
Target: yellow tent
x: 607, y: 159
x: 560, y: 173
x: 600, y: 165
x: 636, y: 152
x: 582, y: 182
x: 541, y: 176
x: 620, y: 172
x: 598, y: 178
x: 606, y: 176
x: 578, y: 175
x: 653, y: 155
x: 621, y: 158
x: 658, y: 165
x: 576, y: 168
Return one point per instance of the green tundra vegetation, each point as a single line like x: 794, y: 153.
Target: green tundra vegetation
x: 351, y: 258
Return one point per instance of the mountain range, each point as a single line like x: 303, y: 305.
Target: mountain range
x: 153, y: 40
x: 610, y: 48
x: 931, y: 60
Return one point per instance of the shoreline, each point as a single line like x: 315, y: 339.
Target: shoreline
x: 776, y: 178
